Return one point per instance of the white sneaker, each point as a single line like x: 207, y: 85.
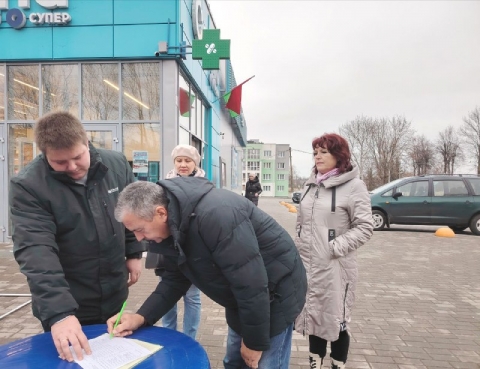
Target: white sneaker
x: 337, y: 364
x: 315, y: 361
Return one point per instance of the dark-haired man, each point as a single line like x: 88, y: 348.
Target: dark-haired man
x: 232, y: 251
x: 78, y: 261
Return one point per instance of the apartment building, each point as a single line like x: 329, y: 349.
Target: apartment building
x: 271, y: 163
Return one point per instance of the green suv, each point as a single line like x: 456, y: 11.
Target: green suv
x: 439, y: 199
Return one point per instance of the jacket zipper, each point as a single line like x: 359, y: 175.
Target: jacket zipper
x: 109, y: 218
x: 313, y: 206
x: 345, y: 303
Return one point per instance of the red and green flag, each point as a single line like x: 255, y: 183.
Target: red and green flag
x: 233, y: 99
x: 185, y: 101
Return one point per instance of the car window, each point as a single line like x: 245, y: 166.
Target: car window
x: 449, y: 188
x: 414, y: 189
x: 388, y: 193
x: 475, y: 182
x: 385, y: 186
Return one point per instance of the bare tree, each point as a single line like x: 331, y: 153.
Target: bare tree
x: 356, y: 133
x: 448, y: 146
x: 470, y: 132
x: 422, y: 154
x: 389, y: 142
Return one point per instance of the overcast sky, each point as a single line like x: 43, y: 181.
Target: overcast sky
x: 319, y: 64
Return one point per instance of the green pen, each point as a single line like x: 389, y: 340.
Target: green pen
x: 118, y: 318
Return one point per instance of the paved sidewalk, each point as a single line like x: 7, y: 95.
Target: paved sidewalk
x: 418, y: 301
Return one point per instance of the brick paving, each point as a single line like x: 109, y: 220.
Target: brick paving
x: 418, y: 301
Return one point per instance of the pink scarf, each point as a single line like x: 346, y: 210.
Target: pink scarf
x: 323, y: 177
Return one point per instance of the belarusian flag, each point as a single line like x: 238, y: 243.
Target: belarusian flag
x: 185, y: 101
x: 233, y: 99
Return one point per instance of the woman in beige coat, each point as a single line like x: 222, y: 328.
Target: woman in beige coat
x: 334, y: 220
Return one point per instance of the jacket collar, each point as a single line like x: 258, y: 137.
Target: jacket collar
x: 183, y: 193
x: 96, y: 171
x: 333, y: 181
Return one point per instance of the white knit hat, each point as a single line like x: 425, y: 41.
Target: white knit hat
x: 188, y: 151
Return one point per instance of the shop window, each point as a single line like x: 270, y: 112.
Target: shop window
x: 191, y: 111
x: 21, y: 149
x: 60, y: 90
x: 198, y: 118
x: 196, y: 143
x: 102, y: 139
x: 2, y: 92
x: 23, y: 92
x: 100, y: 92
x: 183, y: 137
x: 223, y: 172
x: 141, y: 146
x: 141, y: 91
x: 184, y: 103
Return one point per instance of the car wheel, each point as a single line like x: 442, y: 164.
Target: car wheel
x: 457, y: 229
x: 379, y: 220
x: 475, y: 224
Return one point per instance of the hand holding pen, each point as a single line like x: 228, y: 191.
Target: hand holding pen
x: 119, y: 316
x: 123, y: 324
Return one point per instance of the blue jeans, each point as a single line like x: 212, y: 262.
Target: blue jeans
x: 191, y: 315
x: 277, y: 357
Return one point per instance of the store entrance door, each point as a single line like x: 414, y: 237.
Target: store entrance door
x: 4, y: 186
x: 104, y: 136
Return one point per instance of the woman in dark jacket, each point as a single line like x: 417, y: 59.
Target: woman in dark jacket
x: 253, y: 188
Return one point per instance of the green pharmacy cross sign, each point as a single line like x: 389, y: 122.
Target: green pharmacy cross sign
x: 211, y: 49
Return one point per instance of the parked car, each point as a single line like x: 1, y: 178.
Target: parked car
x: 450, y: 200
x: 296, y: 197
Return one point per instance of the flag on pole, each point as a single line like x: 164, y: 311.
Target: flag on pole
x: 185, y: 101
x: 233, y: 99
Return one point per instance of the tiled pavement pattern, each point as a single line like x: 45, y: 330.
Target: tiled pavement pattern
x: 418, y: 301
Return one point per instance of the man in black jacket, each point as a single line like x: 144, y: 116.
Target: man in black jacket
x: 232, y: 251
x: 78, y: 261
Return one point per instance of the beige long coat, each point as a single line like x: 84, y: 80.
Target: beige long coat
x: 331, y: 266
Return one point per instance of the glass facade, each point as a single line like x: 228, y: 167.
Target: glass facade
x: 141, y: 91
x: 100, y: 92
x: 143, y: 137
x: 23, y: 92
x: 21, y: 148
x: 119, y: 103
x: 191, y: 111
x: 60, y: 88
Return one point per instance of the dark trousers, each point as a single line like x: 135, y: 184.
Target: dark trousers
x: 339, y: 347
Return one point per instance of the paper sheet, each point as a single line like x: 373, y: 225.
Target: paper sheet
x: 115, y: 353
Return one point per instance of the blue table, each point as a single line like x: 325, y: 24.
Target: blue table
x: 38, y: 352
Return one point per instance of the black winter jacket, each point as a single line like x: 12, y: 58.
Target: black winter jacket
x: 233, y: 252
x: 253, y: 187
x: 66, y: 239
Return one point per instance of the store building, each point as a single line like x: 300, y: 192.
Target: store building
x: 126, y: 69
x: 271, y: 164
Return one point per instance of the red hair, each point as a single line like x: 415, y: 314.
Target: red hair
x: 338, y: 147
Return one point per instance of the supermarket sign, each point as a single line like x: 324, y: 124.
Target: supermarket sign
x: 17, y: 18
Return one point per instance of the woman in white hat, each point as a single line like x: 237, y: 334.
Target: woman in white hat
x: 186, y: 160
